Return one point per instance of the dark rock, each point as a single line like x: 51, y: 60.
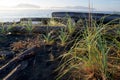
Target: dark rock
x: 6, y: 54
x: 84, y: 15
x: 34, y: 19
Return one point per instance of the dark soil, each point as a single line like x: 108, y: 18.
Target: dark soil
x: 40, y: 67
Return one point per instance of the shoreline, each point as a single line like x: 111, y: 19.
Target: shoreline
x: 74, y: 15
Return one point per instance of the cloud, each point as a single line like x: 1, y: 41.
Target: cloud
x: 78, y: 7
x: 74, y: 7
x: 24, y: 5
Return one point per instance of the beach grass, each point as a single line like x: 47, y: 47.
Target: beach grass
x: 92, y: 53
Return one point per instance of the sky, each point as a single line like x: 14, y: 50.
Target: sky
x: 103, y: 5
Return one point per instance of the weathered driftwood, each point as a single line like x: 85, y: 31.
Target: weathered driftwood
x: 15, y: 72
x: 24, y: 56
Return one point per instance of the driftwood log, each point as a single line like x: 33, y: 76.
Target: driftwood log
x: 15, y: 72
x: 16, y: 61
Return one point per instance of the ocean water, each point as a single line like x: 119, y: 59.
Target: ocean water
x: 15, y: 15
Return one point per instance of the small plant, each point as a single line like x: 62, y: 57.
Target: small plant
x: 48, y: 39
x: 9, y: 28
x: 54, y: 22
x: 5, y: 30
x: 29, y: 27
x: 70, y: 26
x: 51, y: 56
x: 2, y: 29
x: 2, y: 57
x: 80, y: 23
x: 63, y: 37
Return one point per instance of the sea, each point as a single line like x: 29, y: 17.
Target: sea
x: 16, y: 15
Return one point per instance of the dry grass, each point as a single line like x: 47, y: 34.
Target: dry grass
x: 92, y: 57
x: 22, y: 45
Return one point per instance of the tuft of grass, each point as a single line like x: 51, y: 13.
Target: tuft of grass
x: 5, y: 29
x: 70, y: 26
x: 48, y: 39
x: 63, y: 37
x: 88, y: 56
x: 29, y: 27
x: 2, y: 29
x: 53, y: 22
x: 80, y: 23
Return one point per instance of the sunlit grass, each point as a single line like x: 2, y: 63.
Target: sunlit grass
x: 53, y: 22
x: 95, y: 53
x: 89, y: 55
x: 70, y: 25
x: 63, y: 37
x: 48, y: 39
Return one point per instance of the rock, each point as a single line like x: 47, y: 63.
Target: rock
x: 84, y: 15
x: 6, y: 54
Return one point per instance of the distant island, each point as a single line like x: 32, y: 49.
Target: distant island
x: 27, y: 6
